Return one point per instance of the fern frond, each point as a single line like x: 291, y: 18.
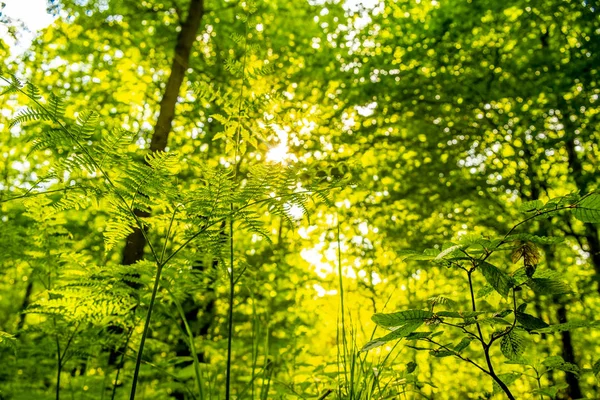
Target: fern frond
x: 56, y: 106
x: 33, y: 91
x: 113, y: 144
x: 28, y: 115
x: 51, y: 139
x: 163, y: 162
x: 87, y: 121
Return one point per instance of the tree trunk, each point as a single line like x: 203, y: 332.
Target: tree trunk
x: 568, y: 354
x: 134, y: 246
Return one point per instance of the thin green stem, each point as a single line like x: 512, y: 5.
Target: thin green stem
x: 190, y: 334
x: 456, y: 354
x: 230, y: 311
x: 138, y: 361
x: 342, y: 305
x: 120, y: 367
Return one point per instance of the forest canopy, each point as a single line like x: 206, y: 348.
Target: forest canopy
x: 266, y: 199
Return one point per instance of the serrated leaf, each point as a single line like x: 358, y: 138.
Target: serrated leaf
x: 542, y: 240
x: 500, y: 281
x: 557, y: 362
x: 531, y: 206
x: 527, y: 251
x: 550, y: 391
x: 435, y: 300
x: 519, y: 361
x: 449, y: 250
x: 459, y: 314
x: 422, y: 335
x: 546, y: 286
x: 512, y: 345
x: 399, y: 333
x: 485, y: 291
x: 530, y: 322
x: 418, y: 335
x: 441, y: 353
x: 494, y: 321
x: 463, y: 344
x: 588, y: 209
x: 401, y: 317
x: 567, y: 326
x: 508, y: 379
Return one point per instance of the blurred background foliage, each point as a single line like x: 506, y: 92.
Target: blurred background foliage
x: 446, y: 116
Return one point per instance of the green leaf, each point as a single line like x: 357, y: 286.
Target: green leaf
x: 508, y: 379
x: 530, y: 322
x: 588, y: 209
x: 399, y: 333
x: 547, y: 286
x: 449, y: 250
x: 527, y: 237
x: 410, y: 367
x: 401, y: 317
x: 550, y: 391
x: 463, y: 344
x: 441, y: 353
x: 495, y: 321
x: 8, y: 340
x: 512, y: 345
x: 531, y: 206
x: 500, y: 281
x: 519, y: 361
x: 415, y: 256
x: 567, y: 326
x: 459, y: 314
x: 484, y: 291
x: 423, y: 335
x: 596, y: 368
x: 557, y: 362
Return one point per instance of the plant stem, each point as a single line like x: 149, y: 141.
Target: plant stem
x: 486, y: 347
x: 58, y: 371
x: 114, y: 390
x: 190, y: 334
x: 341, y: 283
x: 138, y: 361
x: 230, y: 312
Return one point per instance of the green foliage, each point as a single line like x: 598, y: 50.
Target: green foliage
x: 513, y: 336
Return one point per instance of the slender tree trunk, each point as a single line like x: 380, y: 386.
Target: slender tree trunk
x: 24, y: 305
x: 568, y: 354
x: 134, y: 246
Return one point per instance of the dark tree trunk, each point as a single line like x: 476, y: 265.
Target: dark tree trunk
x: 568, y: 354
x: 134, y: 246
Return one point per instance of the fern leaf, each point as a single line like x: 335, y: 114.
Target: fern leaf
x: 28, y: 115
x: 56, y: 106
x: 85, y: 125
x: 33, y: 91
